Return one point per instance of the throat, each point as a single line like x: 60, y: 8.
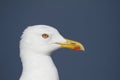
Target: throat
x: 38, y: 67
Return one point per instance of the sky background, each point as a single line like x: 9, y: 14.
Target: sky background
x: 95, y: 23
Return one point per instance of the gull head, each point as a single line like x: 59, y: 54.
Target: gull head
x: 44, y: 39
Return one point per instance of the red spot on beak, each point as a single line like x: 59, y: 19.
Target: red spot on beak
x: 76, y: 48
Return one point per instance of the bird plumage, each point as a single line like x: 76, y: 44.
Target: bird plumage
x: 36, y: 45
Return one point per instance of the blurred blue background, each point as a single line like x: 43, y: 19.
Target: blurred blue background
x: 95, y: 23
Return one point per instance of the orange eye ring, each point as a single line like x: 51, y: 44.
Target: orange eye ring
x: 45, y: 36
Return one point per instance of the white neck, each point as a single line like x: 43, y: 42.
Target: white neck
x: 37, y: 67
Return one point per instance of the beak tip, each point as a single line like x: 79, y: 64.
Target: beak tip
x: 82, y: 47
x: 82, y: 50
x: 79, y: 48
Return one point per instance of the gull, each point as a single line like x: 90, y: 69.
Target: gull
x: 36, y: 46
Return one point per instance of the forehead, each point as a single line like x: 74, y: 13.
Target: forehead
x: 41, y: 29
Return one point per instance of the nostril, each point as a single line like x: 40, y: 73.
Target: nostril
x: 73, y: 43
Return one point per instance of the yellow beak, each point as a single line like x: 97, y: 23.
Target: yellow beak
x: 72, y: 45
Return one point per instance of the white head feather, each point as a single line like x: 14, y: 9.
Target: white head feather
x: 37, y: 43
x: 32, y: 39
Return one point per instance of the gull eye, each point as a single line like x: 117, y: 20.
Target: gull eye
x: 45, y: 36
